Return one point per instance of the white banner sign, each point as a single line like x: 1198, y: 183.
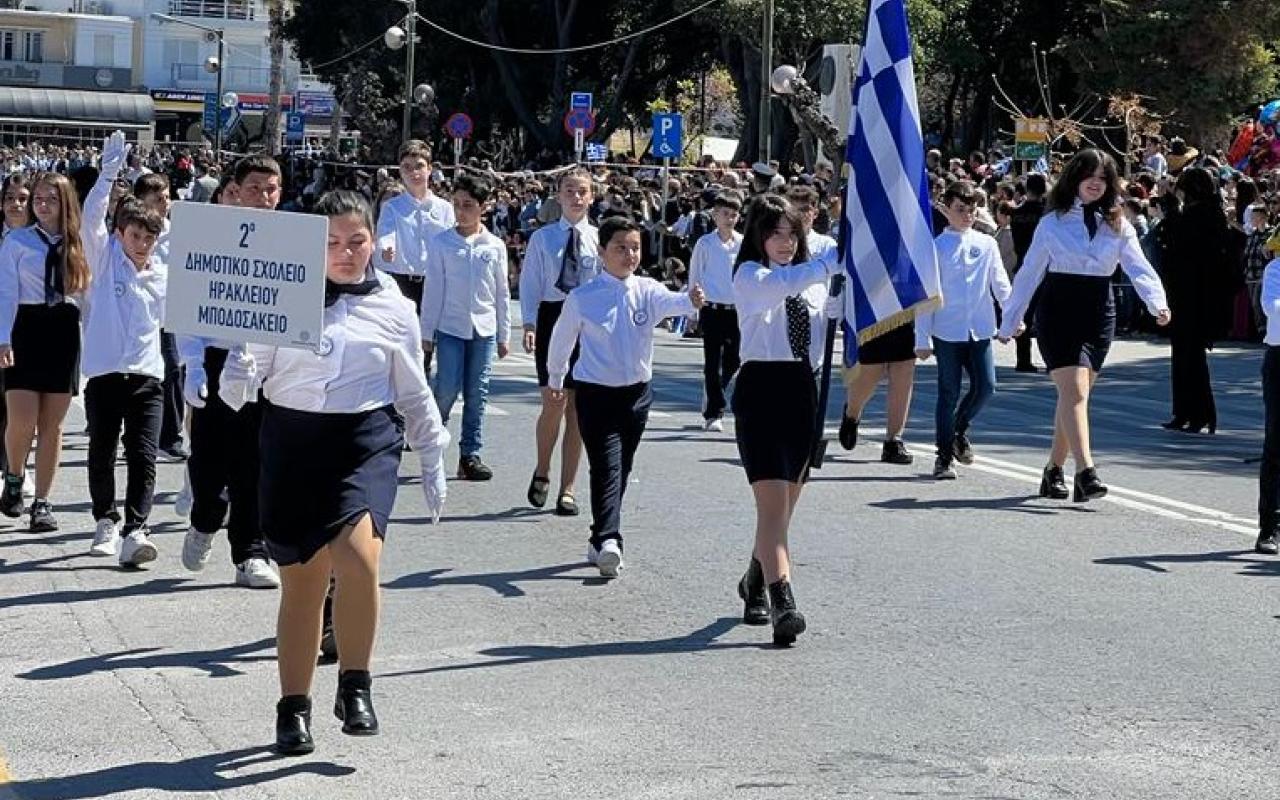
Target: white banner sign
x: 245, y: 275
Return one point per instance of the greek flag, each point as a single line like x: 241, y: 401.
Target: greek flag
x: 887, y: 229
x: 597, y: 152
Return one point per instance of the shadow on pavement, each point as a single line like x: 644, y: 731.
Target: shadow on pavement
x: 1251, y: 563
x: 1016, y: 503
x: 215, y: 662
x: 201, y: 774
x: 153, y: 586
x: 524, y: 513
x: 701, y: 640
x: 505, y: 584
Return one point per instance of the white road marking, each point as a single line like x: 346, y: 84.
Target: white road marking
x: 491, y: 410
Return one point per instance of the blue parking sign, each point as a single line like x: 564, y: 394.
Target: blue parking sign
x: 668, y: 135
x: 296, y: 126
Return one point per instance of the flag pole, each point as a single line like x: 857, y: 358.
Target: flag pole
x: 824, y: 386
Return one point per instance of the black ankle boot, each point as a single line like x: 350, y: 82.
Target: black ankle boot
x: 293, y: 726
x: 755, y: 610
x: 1053, y: 483
x: 354, y: 704
x: 788, y: 623
x: 1089, y: 486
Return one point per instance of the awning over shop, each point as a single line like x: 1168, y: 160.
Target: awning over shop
x: 76, y: 108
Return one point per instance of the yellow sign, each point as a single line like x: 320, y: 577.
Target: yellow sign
x: 1031, y: 129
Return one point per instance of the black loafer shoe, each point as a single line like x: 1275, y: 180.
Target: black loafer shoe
x: 354, y: 704
x: 293, y: 726
x: 848, y: 433
x: 471, y: 468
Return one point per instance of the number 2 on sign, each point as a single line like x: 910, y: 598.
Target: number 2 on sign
x: 246, y: 228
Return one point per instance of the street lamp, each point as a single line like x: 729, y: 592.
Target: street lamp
x: 214, y: 65
x: 395, y: 38
x: 766, y: 67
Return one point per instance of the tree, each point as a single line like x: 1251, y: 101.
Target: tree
x: 275, y: 41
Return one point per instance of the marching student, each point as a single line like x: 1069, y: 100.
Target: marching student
x: 224, y: 442
x: 408, y: 222
x: 611, y: 318
x: 972, y: 273
x: 16, y: 195
x: 122, y: 360
x: 1071, y: 260
x: 334, y: 424
x: 1269, y: 471
x: 466, y: 316
x: 775, y: 400
x: 711, y: 267
x: 42, y: 273
x: 559, y: 258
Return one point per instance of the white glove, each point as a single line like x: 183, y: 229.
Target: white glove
x: 434, y: 489
x: 114, y: 153
x: 834, y: 308
x: 195, y: 386
x: 235, y: 385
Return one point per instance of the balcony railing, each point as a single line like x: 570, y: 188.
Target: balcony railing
x: 245, y: 10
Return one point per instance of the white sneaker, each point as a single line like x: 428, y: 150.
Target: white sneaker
x: 137, y: 549
x: 196, y: 547
x: 257, y: 573
x: 182, y: 503
x: 28, y: 485
x: 609, y: 559
x: 715, y: 425
x: 106, y: 539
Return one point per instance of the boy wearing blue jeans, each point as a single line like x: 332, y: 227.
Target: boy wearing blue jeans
x: 960, y: 332
x: 465, y: 315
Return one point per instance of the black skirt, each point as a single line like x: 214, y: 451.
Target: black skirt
x: 775, y: 407
x: 548, y: 315
x: 46, y: 350
x: 1075, y: 320
x: 898, y: 344
x: 322, y: 472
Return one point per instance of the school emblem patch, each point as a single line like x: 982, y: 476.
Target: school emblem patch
x: 641, y: 317
x: 325, y: 347
x: 975, y: 251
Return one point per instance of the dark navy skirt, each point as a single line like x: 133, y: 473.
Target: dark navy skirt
x: 548, y: 314
x: 46, y: 349
x: 322, y: 472
x: 775, y: 407
x: 1075, y: 320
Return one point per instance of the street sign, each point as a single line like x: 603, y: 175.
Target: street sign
x: 668, y: 135
x: 580, y: 101
x: 459, y: 126
x: 295, y: 126
x: 1030, y: 129
x: 578, y: 140
x: 230, y: 116
x: 580, y: 119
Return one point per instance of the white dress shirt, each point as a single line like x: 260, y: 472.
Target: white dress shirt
x: 1061, y: 244
x: 820, y: 246
x: 711, y: 266
x: 612, y: 320
x: 1271, y: 302
x: 407, y: 225
x: 370, y: 356
x: 469, y: 289
x: 542, y: 259
x: 22, y: 255
x: 124, y: 308
x: 761, y: 293
x: 971, y: 272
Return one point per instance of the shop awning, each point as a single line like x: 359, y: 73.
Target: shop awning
x: 75, y: 108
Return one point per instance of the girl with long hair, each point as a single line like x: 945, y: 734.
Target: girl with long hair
x: 1073, y: 255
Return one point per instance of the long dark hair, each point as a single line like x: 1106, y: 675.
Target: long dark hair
x: 1246, y: 195
x: 1081, y: 167
x: 16, y: 180
x: 1198, y: 186
x: 763, y: 216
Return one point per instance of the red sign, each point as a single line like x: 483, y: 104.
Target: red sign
x: 580, y: 119
x: 459, y: 126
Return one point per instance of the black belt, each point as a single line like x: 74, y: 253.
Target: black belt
x: 410, y: 278
x: 719, y: 306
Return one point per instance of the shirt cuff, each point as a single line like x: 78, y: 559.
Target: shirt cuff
x: 555, y: 381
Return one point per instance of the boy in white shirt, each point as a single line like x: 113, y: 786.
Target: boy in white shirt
x: 122, y: 360
x: 960, y: 332
x: 466, y: 317
x: 711, y: 267
x: 1268, y: 541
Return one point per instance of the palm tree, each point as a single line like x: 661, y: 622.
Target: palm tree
x: 275, y: 41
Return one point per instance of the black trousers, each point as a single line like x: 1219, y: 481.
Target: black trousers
x: 411, y: 286
x: 1189, y: 378
x: 611, y: 420
x: 1269, y: 472
x: 224, y: 457
x: 135, y: 403
x: 174, y: 407
x: 720, y: 340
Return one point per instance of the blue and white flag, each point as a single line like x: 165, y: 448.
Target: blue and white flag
x: 597, y: 152
x: 887, y: 228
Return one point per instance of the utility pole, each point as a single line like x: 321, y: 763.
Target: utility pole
x: 766, y: 70
x: 275, y: 39
x: 411, y: 24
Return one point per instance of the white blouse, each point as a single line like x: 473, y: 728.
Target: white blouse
x: 612, y: 320
x: 370, y: 355
x: 22, y: 256
x: 761, y: 293
x: 1062, y: 245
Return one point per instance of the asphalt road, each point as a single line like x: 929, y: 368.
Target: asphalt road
x: 968, y: 639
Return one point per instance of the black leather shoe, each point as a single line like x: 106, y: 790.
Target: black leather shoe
x: 755, y: 609
x: 11, y: 498
x: 962, y: 449
x: 293, y: 726
x: 1267, y: 544
x: 354, y: 704
x: 848, y: 432
x: 895, y: 452
x: 471, y: 468
x: 1088, y: 486
x: 1175, y: 424
x: 1053, y: 484
x: 788, y: 622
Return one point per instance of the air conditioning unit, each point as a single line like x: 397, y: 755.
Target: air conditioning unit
x: 835, y: 82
